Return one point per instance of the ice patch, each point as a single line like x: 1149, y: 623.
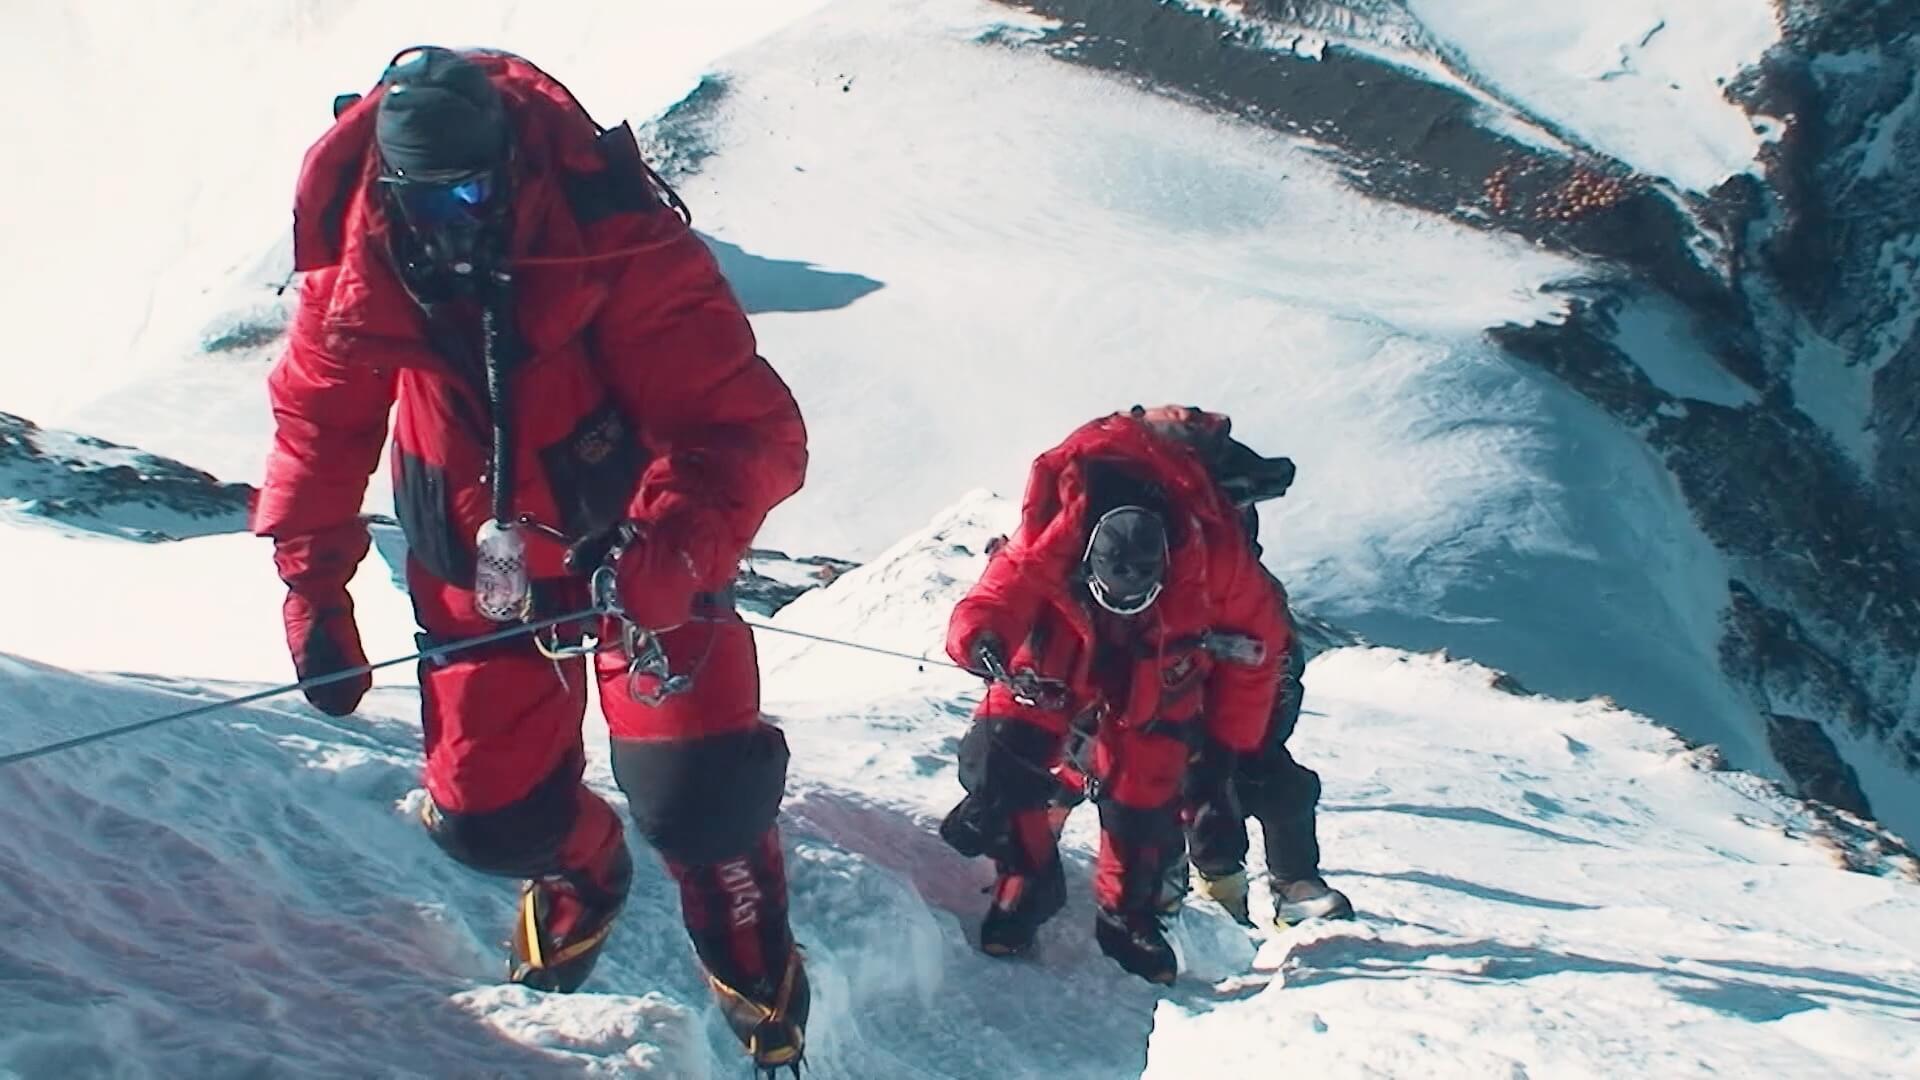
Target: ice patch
x: 1640, y: 80
x: 1659, y: 337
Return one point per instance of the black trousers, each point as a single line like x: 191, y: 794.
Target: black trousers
x: 1224, y: 788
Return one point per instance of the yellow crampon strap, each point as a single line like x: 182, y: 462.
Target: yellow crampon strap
x: 534, y: 943
x: 530, y: 929
x: 785, y: 1055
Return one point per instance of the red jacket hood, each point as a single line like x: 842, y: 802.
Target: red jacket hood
x: 1053, y: 518
x: 1214, y: 583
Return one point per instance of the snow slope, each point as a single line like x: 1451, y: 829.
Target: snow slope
x: 1033, y: 247
x: 161, y: 150
x: 1050, y: 249
x: 1587, y: 904
x: 1549, y: 888
x: 206, y: 608
x: 963, y: 251
x: 1642, y: 81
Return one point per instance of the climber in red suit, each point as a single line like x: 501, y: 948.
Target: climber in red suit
x: 1132, y: 600
x: 561, y: 358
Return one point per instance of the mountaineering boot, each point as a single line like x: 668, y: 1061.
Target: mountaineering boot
x: 1308, y: 898
x: 1021, y: 903
x: 1229, y: 890
x: 563, y: 923
x: 770, y: 1020
x: 1137, y: 942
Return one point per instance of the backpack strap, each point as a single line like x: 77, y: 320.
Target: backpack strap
x: 623, y: 187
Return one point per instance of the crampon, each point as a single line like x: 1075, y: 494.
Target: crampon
x: 772, y: 1026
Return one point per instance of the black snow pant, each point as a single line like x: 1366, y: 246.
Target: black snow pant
x: 1223, y: 788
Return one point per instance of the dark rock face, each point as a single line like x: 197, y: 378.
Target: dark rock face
x: 1843, y: 249
x: 677, y: 143
x: 1399, y: 136
x: 98, y: 486
x: 1830, y: 283
x: 1795, y: 285
x: 1825, y: 610
x: 764, y: 593
x: 1816, y: 763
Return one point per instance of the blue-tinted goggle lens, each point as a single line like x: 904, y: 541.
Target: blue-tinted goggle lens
x: 432, y: 205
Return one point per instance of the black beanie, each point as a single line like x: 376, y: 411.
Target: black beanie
x: 439, y: 117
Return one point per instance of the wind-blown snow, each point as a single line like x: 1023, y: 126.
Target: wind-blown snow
x: 1639, y: 80
x: 1546, y: 887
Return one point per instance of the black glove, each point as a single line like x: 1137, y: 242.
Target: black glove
x: 592, y: 552
x: 324, y: 640
x: 987, y: 656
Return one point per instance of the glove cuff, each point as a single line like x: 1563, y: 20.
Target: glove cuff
x: 324, y: 561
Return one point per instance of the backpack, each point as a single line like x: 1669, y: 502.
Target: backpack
x: 1240, y: 472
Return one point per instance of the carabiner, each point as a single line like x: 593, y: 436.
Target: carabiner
x: 647, y: 660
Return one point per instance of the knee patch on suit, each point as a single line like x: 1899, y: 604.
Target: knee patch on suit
x: 1008, y: 763
x: 705, y: 800
x: 1286, y: 791
x: 522, y: 839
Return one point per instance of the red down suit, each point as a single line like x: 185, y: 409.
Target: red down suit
x: 1145, y: 686
x: 638, y: 394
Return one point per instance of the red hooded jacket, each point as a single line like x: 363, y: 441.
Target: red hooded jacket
x: 1029, y: 597
x: 639, y: 393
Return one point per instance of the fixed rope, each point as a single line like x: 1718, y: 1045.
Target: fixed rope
x: 433, y: 653
x: 915, y: 658
x: 318, y: 680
